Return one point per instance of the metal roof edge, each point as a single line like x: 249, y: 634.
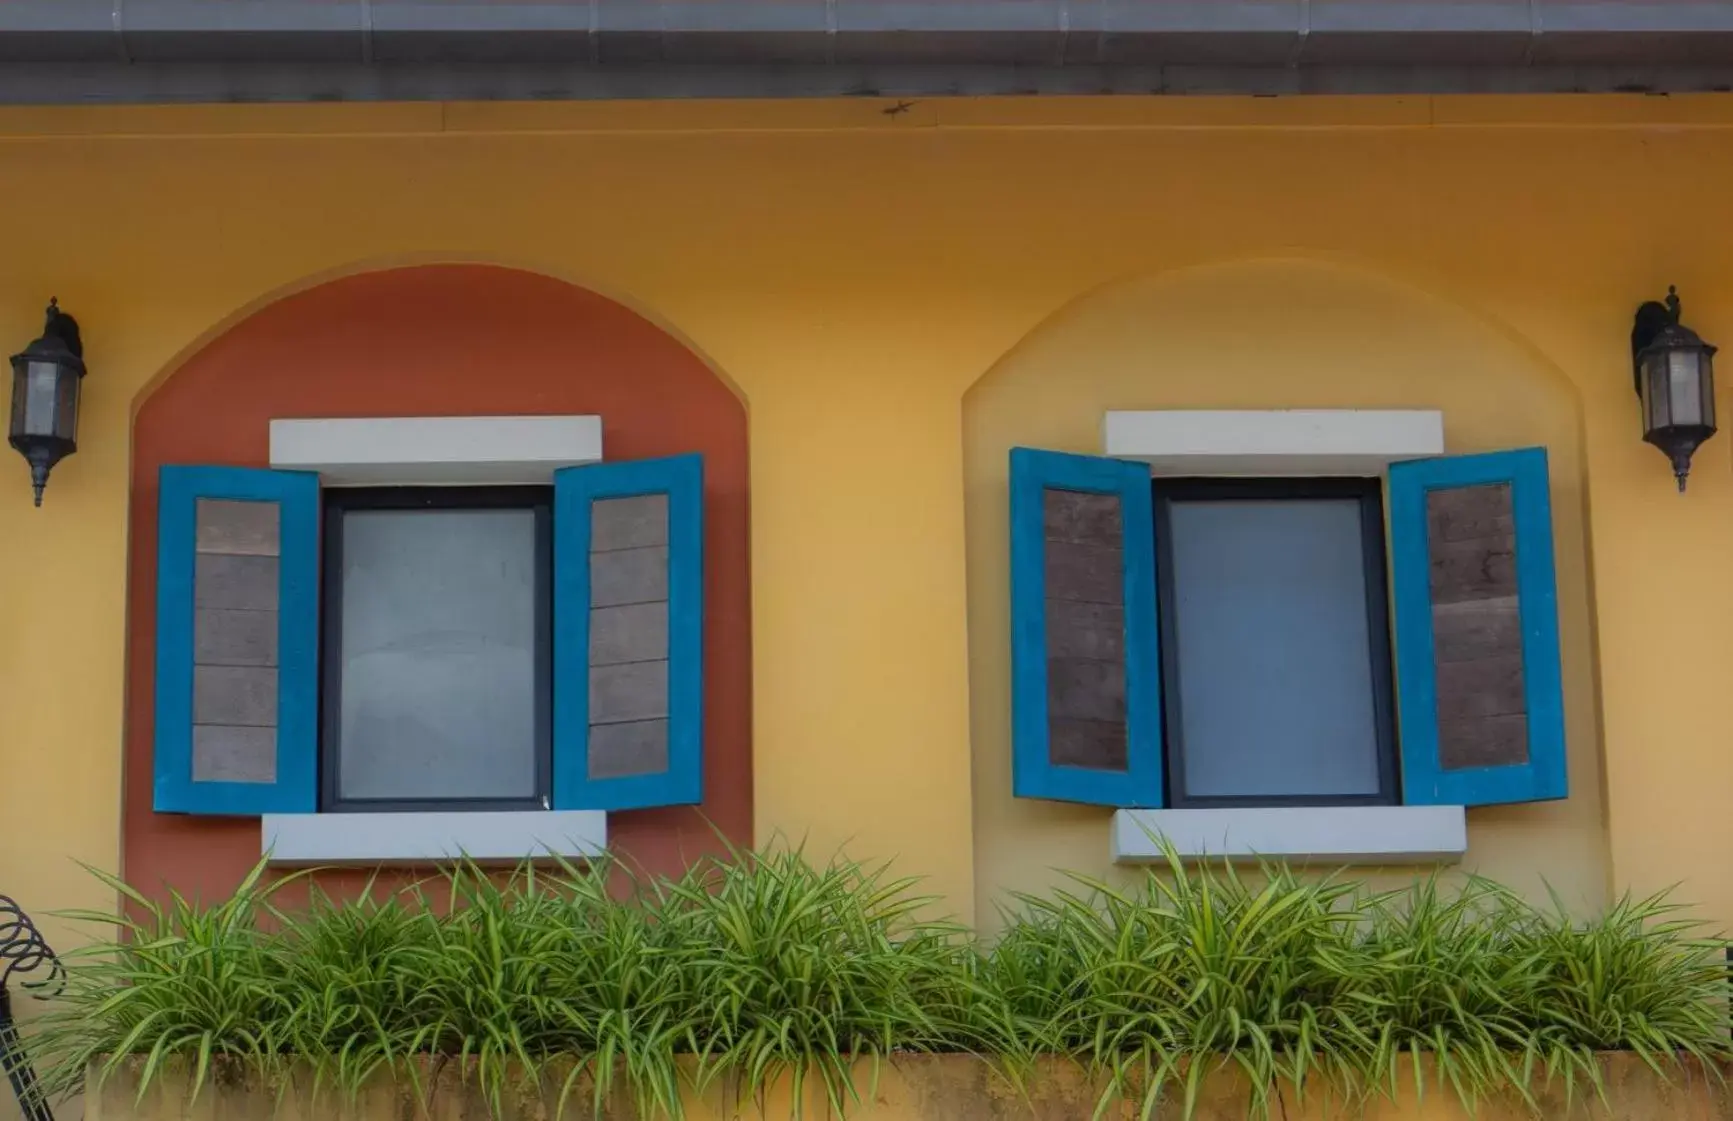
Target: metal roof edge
x: 210, y: 83
x: 887, y: 45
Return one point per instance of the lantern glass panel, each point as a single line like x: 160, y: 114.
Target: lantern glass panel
x: 20, y: 399
x: 1656, y: 414
x: 1706, y: 387
x: 1684, y: 390
x: 45, y: 401
x: 34, y: 390
x: 66, y: 405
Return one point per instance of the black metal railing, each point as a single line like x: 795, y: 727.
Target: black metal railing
x: 23, y: 952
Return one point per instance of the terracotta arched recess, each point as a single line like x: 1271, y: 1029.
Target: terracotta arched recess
x: 448, y: 340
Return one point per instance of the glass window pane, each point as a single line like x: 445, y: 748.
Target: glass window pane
x: 1275, y: 678
x: 438, y: 654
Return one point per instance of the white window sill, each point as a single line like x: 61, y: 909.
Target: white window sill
x: 1337, y: 834
x: 1273, y: 442
x: 415, y: 838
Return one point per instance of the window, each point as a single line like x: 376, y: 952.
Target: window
x: 496, y: 649
x: 1225, y: 643
x: 1275, y: 642
x: 436, y: 649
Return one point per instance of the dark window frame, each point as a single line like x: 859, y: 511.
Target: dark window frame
x: 338, y: 502
x: 1369, y: 492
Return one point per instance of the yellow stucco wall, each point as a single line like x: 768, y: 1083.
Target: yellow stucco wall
x: 853, y: 275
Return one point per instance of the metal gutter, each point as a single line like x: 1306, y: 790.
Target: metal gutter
x: 217, y: 50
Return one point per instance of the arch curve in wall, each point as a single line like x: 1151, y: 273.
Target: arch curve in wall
x: 447, y: 340
x: 1211, y: 291
x: 1270, y: 334
x: 402, y: 262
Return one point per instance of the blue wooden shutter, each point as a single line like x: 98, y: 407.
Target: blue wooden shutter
x: 1086, y: 692
x: 1477, y: 645
x: 628, y: 634
x: 237, y: 631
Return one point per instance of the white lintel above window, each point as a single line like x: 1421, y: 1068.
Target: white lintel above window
x: 430, y: 450
x: 1338, y: 834
x: 1273, y: 442
x: 414, y: 838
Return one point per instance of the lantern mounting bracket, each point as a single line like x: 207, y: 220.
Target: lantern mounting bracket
x: 1653, y: 317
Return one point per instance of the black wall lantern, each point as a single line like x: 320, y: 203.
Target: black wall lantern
x: 45, y: 384
x: 1676, y: 381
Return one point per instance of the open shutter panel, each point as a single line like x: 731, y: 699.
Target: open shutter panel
x: 1086, y: 705
x: 628, y: 634
x: 1477, y: 646
x: 237, y: 641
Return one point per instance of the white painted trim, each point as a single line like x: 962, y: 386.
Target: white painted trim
x: 378, y: 838
x: 1338, y: 834
x: 421, y: 450
x: 1273, y: 441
